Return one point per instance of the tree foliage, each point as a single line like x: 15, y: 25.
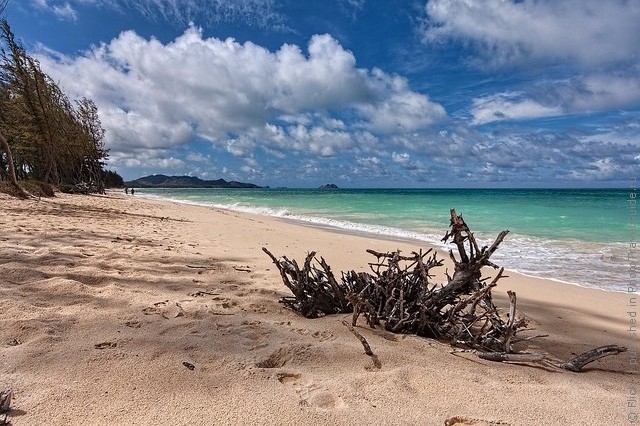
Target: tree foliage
x: 51, y: 138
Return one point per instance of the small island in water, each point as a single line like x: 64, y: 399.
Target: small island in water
x: 329, y: 186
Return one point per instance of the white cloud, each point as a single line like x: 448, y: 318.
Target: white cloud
x: 398, y: 109
x: 241, y: 146
x: 591, y: 32
x: 151, y: 159
x: 260, y: 13
x: 315, y: 139
x: 601, y: 92
x: 369, y: 161
x: 502, y: 107
x: 65, y: 11
x: 328, y: 77
x: 400, y: 157
x: 197, y: 157
x: 588, y: 94
x: 156, y: 96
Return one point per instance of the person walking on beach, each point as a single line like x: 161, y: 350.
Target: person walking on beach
x: 126, y: 190
x: 132, y: 191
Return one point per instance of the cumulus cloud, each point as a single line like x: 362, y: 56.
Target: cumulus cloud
x: 317, y: 139
x: 398, y: 108
x: 238, y: 96
x: 589, y: 32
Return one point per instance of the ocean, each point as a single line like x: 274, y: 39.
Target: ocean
x: 578, y: 236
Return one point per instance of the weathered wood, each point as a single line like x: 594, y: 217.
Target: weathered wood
x: 510, y: 329
x: 467, y: 274
x: 316, y: 291
x: 365, y: 344
x: 507, y: 357
x: 5, y: 400
x: 576, y: 364
x: 398, y: 294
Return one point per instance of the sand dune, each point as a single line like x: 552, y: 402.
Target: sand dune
x: 116, y: 310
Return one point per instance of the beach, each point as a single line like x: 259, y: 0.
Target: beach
x: 123, y: 310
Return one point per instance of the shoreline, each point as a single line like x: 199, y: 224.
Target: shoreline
x: 107, y: 301
x: 371, y: 235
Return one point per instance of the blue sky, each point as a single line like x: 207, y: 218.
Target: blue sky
x: 361, y: 93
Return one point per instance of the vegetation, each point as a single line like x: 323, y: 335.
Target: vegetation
x: 44, y: 136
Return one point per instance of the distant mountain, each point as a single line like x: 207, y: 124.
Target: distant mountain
x: 329, y: 186
x: 163, y: 181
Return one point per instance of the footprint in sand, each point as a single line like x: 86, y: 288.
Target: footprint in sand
x: 225, y: 302
x: 253, y: 336
x: 311, y: 394
x: 171, y: 310
x: 106, y: 345
x: 323, y: 335
x: 288, y: 378
x: 155, y: 309
x: 467, y: 421
x: 133, y: 323
x: 276, y: 360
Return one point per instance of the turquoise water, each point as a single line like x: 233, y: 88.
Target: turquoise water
x: 579, y: 236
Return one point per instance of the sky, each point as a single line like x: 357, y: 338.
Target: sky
x: 360, y: 93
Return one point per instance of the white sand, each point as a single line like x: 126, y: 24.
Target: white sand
x: 102, y: 299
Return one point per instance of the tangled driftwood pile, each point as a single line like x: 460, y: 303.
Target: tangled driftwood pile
x: 400, y: 296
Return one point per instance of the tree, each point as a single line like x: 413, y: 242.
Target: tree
x: 3, y: 141
x: 91, y: 127
x: 9, y: 160
x: 51, y: 138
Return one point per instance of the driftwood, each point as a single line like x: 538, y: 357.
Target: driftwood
x: 399, y: 295
x: 5, y: 400
x: 365, y: 344
x: 316, y: 291
x: 574, y: 364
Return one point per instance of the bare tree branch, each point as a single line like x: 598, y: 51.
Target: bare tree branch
x: 399, y: 295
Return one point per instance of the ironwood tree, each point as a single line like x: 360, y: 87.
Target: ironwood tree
x: 46, y: 136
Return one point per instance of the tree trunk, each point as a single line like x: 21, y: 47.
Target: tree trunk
x: 12, y: 169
